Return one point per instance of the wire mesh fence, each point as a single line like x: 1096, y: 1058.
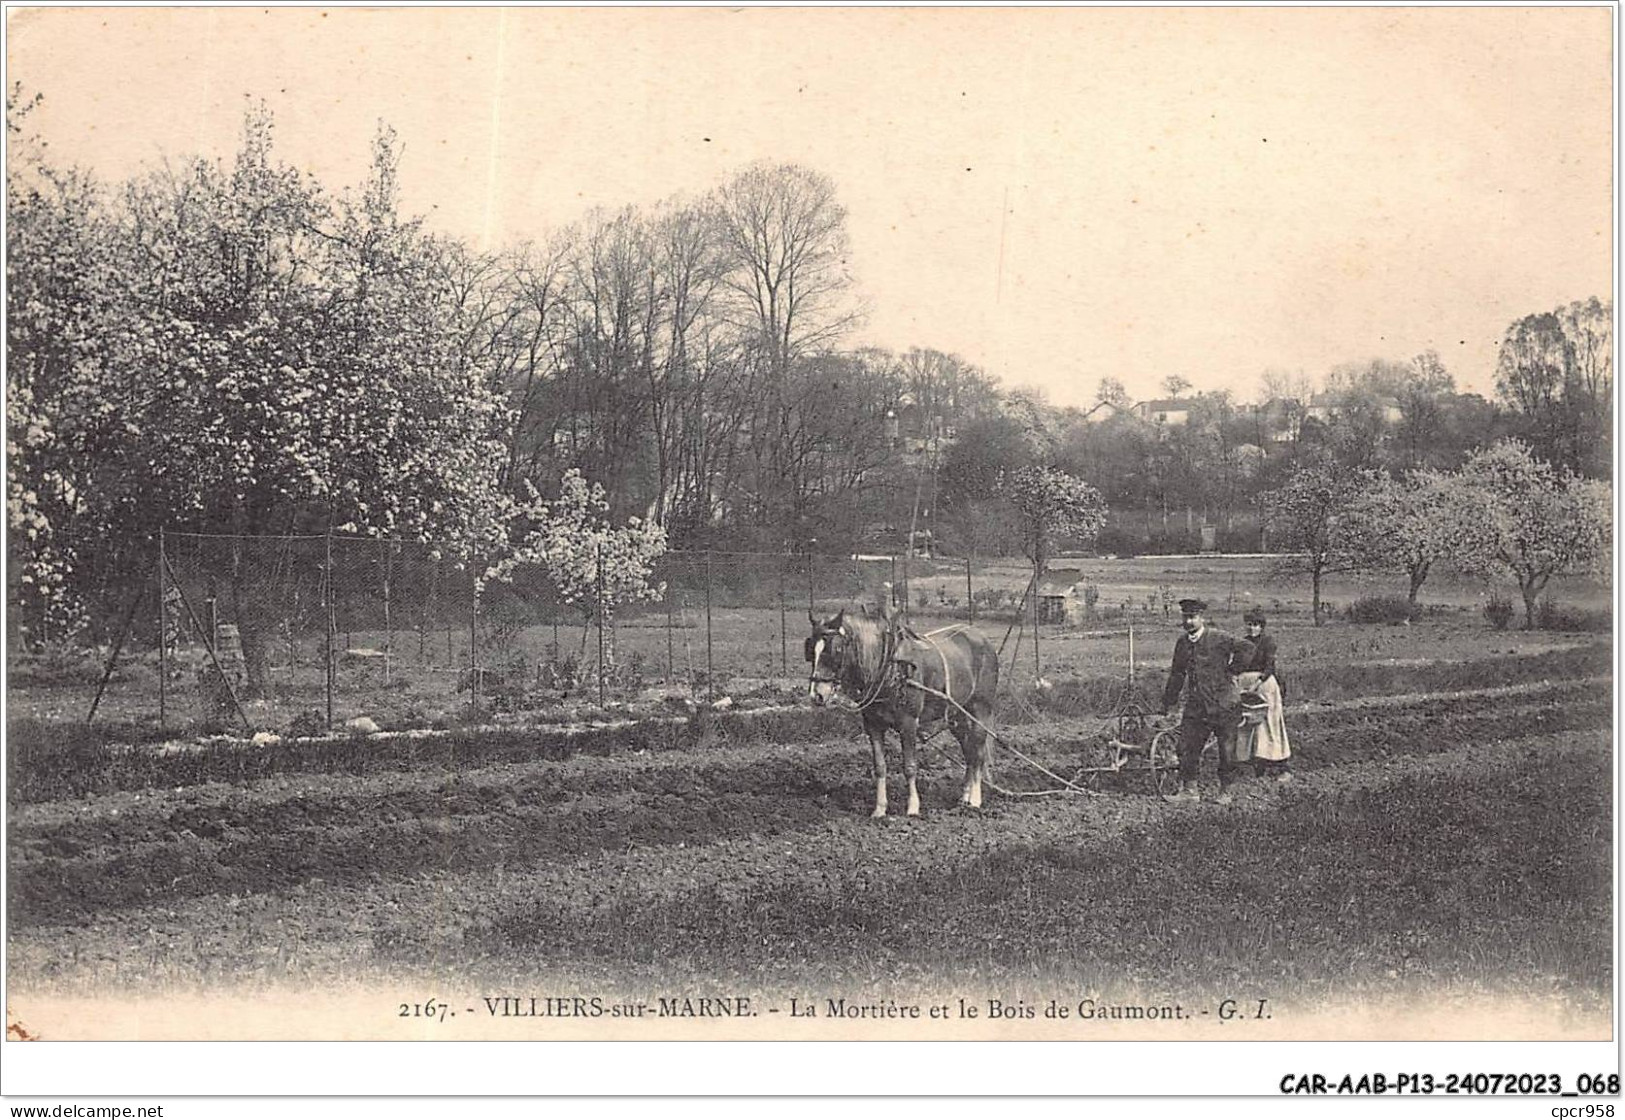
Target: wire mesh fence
x: 304, y: 633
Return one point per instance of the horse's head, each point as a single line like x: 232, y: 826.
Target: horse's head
x: 825, y: 651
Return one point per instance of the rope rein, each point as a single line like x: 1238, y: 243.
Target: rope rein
x: 1066, y: 786
x: 887, y: 670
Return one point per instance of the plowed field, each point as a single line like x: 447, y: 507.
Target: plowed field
x: 1454, y: 842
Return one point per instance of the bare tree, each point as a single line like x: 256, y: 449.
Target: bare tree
x: 1174, y: 385
x: 1111, y: 391
x: 785, y: 237
x: 688, y: 270
x: 1530, y: 374
x: 1589, y: 385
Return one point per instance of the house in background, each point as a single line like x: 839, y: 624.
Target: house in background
x: 1326, y: 407
x: 1279, y: 419
x: 914, y: 429
x: 1323, y: 407
x: 1105, y: 411
x: 1392, y: 413
x: 1167, y: 413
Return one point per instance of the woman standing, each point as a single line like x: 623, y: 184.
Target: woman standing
x: 1266, y: 741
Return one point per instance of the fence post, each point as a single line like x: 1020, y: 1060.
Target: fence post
x: 163, y: 642
x: 598, y: 551
x: 327, y: 601
x: 1131, y: 658
x: 908, y: 554
x: 428, y: 616
x: 784, y: 625
x: 671, y: 652
x: 1038, y: 668
x: 710, y: 672
x: 473, y: 632
x: 389, y: 629
x: 970, y: 594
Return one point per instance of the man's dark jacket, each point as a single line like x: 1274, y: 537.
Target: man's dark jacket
x: 1208, y: 667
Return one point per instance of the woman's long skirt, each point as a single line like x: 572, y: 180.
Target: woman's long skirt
x: 1267, y: 741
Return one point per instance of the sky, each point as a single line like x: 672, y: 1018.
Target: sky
x: 1056, y: 194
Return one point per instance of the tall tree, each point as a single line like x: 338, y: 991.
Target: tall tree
x: 785, y: 246
x: 61, y: 331
x: 785, y: 238
x: 1051, y: 505
x: 1411, y: 525
x: 1588, y: 387
x: 1532, y: 375
x: 278, y: 360
x: 1111, y: 391
x: 1533, y: 520
x: 1421, y: 396
x: 1311, y: 523
x: 986, y: 450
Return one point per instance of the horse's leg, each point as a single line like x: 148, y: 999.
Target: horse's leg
x: 961, y: 728
x: 979, y: 750
x: 877, y: 741
x: 906, y: 730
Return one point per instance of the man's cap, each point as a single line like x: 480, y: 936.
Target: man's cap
x: 1254, y: 615
x: 1192, y: 606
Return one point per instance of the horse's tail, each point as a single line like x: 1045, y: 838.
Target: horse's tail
x: 984, y: 668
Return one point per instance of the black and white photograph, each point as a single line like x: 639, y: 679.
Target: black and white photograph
x: 817, y: 525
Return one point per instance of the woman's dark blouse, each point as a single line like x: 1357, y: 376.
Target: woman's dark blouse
x: 1263, y: 655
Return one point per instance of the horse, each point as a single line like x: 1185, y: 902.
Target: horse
x: 877, y: 662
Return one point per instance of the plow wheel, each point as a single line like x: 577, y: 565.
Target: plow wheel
x: 1163, y: 762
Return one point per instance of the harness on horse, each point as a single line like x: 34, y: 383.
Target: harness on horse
x: 891, y: 640
x: 889, y: 673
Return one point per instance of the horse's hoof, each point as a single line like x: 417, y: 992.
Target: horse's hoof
x: 878, y: 815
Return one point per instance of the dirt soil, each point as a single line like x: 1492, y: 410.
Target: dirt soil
x: 755, y: 864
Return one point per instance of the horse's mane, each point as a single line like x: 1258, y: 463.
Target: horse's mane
x: 868, y: 636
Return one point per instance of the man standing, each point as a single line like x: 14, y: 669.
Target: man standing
x: 1206, y: 661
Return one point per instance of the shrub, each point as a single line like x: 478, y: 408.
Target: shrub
x: 1383, y: 608
x: 1119, y: 542
x: 562, y: 673
x: 1561, y: 616
x: 990, y: 600
x: 632, y: 674
x: 1239, y: 540
x: 1498, y: 611
x: 307, y: 725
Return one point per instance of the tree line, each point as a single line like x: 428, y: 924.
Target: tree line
x: 230, y: 346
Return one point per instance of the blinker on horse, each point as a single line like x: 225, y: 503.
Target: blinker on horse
x: 875, y: 661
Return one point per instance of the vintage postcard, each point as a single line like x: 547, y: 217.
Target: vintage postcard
x: 624, y: 525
